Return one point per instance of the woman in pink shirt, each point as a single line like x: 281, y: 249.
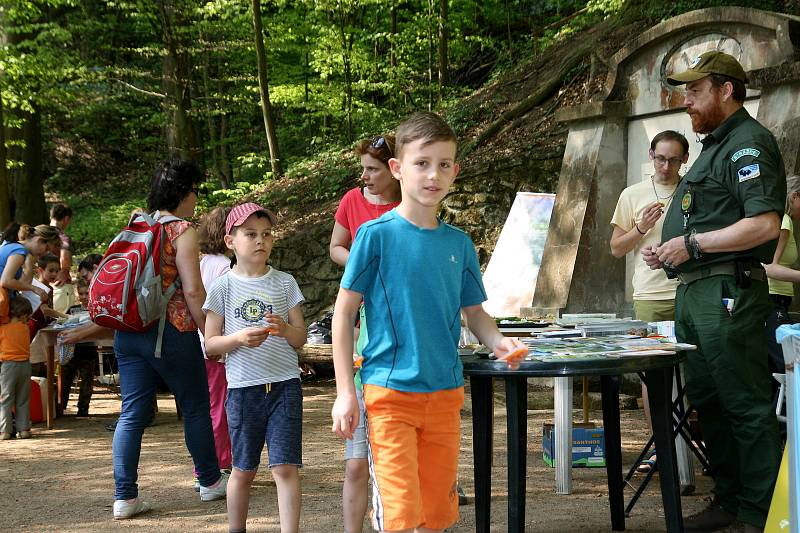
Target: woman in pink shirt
x: 380, y: 194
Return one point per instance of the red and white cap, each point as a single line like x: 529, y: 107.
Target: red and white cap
x: 239, y: 214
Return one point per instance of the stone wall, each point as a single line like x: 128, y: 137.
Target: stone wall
x: 478, y: 203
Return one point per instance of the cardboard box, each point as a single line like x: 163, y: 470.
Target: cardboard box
x: 588, y: 445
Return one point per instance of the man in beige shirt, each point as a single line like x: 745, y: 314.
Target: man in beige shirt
x: 637, y: 224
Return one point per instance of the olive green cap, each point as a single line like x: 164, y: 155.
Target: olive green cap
x: 713, y: 62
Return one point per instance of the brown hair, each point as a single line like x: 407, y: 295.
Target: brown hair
x: 49, y: 234
x: 380, y: 147
x: 47, y: 259
x: 424, y: 125
x: 60, y: 211
x: 669, y: 135
x: 19, y: 307
x: 211, y: 233
x: 739, y: 90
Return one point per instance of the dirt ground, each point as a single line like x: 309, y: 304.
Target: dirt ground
x: 62, y: 480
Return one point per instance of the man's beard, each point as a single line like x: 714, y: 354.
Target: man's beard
x: 707, y: 121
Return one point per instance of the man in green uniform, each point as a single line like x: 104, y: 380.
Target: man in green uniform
x: 723, y: 224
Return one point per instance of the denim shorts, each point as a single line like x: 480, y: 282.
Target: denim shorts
x: 356, y: 448
x: 271, y: 414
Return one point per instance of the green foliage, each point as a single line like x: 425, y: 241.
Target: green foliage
x: 97, y: 222
x: 339, y: 70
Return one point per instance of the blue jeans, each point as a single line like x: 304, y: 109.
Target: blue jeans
x: 183, y: 369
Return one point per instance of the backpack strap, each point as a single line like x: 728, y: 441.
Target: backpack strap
x: 167, y: 294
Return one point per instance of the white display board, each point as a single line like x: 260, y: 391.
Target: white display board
x: 510, y: 277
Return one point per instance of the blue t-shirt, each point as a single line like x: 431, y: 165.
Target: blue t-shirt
x: 7, y: 250
x: 414, y: 282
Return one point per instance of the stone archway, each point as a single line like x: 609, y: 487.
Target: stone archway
x: 578, y: 272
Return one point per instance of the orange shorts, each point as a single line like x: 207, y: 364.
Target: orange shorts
x: 414, y: 441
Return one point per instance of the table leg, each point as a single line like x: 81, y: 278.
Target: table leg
x: 482, y: 391
x: 562, y: 412
x: 517, y: 409
x: 659, y: 390
x: 609, y: 386
x: 50, y: 363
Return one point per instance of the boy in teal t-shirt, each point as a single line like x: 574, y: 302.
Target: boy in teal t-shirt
x: 416, y: 275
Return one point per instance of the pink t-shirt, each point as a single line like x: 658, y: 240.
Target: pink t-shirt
x: 354, y: 210
x: 212, y: 266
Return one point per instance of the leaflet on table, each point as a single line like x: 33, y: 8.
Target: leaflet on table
x: 32, y: 297
x: 606, y: 346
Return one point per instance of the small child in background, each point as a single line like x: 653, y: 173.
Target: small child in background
x: 82, y: 363
x: 254, y: 315
x: 214, y: 262
x: 15, y: 372
x: 47, y: 269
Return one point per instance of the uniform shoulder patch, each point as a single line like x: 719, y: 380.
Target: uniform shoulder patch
x: 745, y: 151
x: 749, y: 172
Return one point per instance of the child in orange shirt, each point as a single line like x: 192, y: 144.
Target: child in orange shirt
x: 15, y: 373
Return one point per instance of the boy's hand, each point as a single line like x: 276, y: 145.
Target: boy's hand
x: 276, y: 325
x: 345, y: 415
x: 512, y: 351
x: 252, y: 336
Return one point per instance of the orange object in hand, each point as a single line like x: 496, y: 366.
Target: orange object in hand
x: 514, y: 357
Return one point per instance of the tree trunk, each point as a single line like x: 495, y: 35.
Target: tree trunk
x: 176, y: 79
x: 29, y: 189
x: 5, y: 198
x: 211, y: 123
x: 224, y: 158
x: 347, y: 45
x: 430, y: 53
x: 263, y: 84
x: 444, y: 77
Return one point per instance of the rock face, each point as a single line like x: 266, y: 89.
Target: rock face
x: 478, y: 203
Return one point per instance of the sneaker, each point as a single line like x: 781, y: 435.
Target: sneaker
x: 711, y: 518
x: 216, y: 491
x: 5, y: 436
x: 25, y: 434
x: 124, y: 509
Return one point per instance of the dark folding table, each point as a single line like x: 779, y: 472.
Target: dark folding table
x: 657, y: 370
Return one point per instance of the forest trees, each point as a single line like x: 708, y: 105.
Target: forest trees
x: 113, y: 86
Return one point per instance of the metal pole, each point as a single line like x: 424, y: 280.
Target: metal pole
x: 563, y: 433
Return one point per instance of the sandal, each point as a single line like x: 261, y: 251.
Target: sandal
x: 647, y: 465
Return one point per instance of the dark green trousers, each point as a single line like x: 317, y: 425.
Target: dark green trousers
x: 728, y: 382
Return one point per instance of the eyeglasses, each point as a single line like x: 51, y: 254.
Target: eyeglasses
x: 672, y: 161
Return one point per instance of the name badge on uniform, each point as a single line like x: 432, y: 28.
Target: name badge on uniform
x: 749, y: 172
x: 686, y: 202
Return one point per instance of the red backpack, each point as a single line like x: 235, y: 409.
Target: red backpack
x: 126, y: 291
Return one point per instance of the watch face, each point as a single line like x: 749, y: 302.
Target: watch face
x: 686, y: 54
